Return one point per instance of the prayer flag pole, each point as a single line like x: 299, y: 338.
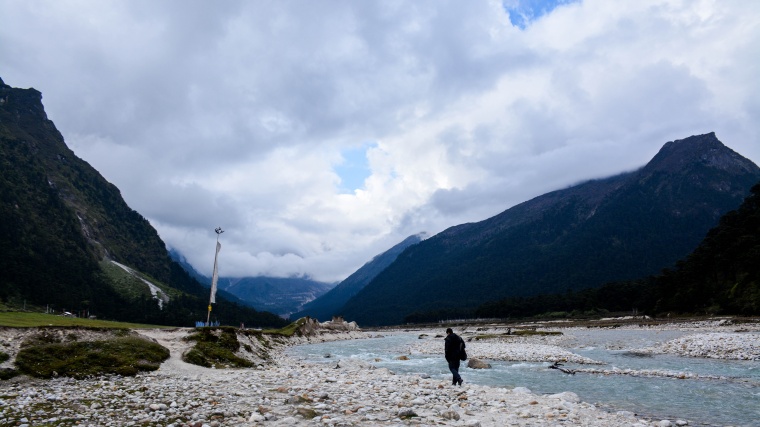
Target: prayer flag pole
x: 215, y: 276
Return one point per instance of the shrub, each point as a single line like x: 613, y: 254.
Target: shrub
x: 122, y: 356
x: 6, y: 373
x: 215, y: 347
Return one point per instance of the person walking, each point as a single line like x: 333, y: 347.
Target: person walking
x: 453, y: 347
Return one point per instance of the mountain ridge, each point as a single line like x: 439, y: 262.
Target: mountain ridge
x: 63, y: 223
x: 613, y: 229
x: 285, y: 296
x: 329, y: 304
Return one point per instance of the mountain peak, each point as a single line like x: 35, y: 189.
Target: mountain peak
x: 705, y: 149
x: 21, y: 102
x: 620, y: 228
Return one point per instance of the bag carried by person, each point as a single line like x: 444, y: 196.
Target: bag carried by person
x: 462, y: 353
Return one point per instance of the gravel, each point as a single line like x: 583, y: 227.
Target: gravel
x: 289, y: 392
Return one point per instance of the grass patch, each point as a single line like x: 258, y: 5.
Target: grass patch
x: 131, y: 286
x: 4, y: 356
x: 215, y: 347
x: 122, y: 356
x: 293, y: 328
x: 18, y: 319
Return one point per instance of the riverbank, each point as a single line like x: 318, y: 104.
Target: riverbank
x: 287, y: 391
x: 286, y: 394
x: 716, y: 339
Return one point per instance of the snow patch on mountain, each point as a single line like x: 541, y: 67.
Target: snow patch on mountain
x: 157, y: 293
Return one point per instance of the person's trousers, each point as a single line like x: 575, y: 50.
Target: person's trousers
x: 454, y: 368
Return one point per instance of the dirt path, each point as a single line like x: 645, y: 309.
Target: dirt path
x: 174, y: 340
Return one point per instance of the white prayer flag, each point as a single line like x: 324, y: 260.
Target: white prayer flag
x: 215, y: 276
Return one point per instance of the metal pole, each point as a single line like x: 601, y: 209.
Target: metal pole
x: 218, y: 231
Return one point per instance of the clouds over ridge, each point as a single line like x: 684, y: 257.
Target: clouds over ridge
x: 235, y: 114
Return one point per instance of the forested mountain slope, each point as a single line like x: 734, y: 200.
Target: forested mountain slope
x: 331, y: 303
x: 723, y: 274
x: 615, y: 229
x: 61, y: 223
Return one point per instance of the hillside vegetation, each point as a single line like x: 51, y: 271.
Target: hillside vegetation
x: 61, y: 223
x: 721, y: 276
x: 616, y: 229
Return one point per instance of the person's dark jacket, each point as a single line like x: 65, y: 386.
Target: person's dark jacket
x: 453, y: 345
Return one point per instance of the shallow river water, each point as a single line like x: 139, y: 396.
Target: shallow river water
x: 733, y: 399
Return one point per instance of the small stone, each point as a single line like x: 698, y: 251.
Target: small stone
x: 307, y: 413
x: 407, y: 413
x: 450, y: 415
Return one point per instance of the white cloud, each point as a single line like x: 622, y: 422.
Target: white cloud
x: 238, y: 114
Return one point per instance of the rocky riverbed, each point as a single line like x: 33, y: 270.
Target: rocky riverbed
x: 288, y: 394
x: 286, y: 391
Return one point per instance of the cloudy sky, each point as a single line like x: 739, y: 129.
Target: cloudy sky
x: 318, y: 134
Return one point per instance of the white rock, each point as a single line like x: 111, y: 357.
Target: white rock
x: 567, y: 396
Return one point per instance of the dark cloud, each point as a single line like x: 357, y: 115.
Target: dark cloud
x: 236, y: 114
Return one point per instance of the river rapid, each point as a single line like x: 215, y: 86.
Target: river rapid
x: 628, y: 375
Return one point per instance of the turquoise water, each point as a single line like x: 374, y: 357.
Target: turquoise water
x: 732, y: 400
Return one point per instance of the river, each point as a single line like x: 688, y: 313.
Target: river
x: 726, y: 392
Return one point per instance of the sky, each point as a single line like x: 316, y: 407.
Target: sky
x: 319, y: 134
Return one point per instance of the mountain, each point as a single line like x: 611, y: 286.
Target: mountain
x: 722, y: 275
x: 282, y: 296
x: 69, y: 241
x: 615, y: 229
x: 180, y: 259
x: 331, y: 303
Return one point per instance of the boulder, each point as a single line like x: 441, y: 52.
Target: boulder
x: 478, y: 364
